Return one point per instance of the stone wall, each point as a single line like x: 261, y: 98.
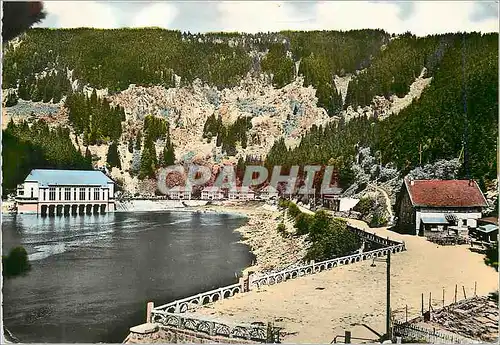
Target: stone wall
x: 180, y: 336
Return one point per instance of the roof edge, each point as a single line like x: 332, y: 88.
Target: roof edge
x: 482, y: 194
x: 406, y: 179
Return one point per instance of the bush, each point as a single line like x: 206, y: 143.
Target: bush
x: 283, y: 203
x: 16, y: 263
x: 372, y: 212
x: 332, y: 240
x: 491, y: 258
x: 282, y: 229
x: 293, y: 210
x: 377, y: 220
x: 364, y: 206
x: 302, y: 223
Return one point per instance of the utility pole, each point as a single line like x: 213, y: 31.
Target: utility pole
x: 388, y: 295
x: 420, y: 153
x: 388, y: 311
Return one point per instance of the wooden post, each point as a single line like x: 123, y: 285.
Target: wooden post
x: 347, y: 339
x: 475, y: 287
x: 443, y: 297
x: 422, y: 304
x: 456, y: 293
x: 406, y: 313
x: 149, y: 311
x: 430, y: 302
x: 463, y: 288
x: 269, y: 333
x: 388, y: 311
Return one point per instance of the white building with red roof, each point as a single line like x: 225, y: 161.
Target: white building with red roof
x: 428, y: 207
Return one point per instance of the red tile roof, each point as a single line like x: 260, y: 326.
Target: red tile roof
x: 445, y: 193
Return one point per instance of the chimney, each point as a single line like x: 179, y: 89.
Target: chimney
x: 471, y: 183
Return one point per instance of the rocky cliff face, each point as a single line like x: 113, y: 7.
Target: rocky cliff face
x: 382, y: 107
x: 273, y: 113
x: 288, y: 112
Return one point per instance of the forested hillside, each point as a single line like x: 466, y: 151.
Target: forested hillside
x: 53, y: 66
x: 462, y: 99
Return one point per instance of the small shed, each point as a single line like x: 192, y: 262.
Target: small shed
x: 485, y: 233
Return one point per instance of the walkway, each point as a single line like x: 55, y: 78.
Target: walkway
x: 313, y: 309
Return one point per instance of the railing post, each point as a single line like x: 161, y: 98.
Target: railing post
x: 212, y: 328
x: 269, y: 335
x: 245, y: 282
x: 347, y: 338
x: 149, y: 311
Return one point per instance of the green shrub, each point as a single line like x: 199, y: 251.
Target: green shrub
x: 377, y: 220
x: 293, y: 210
x: 491, y: 258
x: 365, y: 205
x: 282, y: 229
x: 302, y: 223
x: 16, y: 263
x: 283, y: 203
x: 330, y: 238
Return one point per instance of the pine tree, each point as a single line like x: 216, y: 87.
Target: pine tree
x: 23, y: 90
x: 113, y: 156
x: 149, y: 160
x: 93, y: 99
x: 88, y: 156
x: 11, y: 99
x: 86, y: 140
x: 169, y: 155
x: 131, y: 146
x: 138, y: 141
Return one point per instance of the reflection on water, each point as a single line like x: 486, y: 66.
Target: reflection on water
x: 92, y: 275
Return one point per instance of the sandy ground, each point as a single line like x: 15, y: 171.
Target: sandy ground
x: 315, y: 308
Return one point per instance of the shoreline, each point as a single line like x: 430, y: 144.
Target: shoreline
x: 271, y: 250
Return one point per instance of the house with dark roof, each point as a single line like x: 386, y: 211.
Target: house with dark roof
x: 58, y: 192
x: 433, y: 207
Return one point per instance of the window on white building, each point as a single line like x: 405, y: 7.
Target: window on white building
x: 74, y: 194
x: 44, y: 194
x: 82, y: 193
x: 60, y: 193
x: 90, y: 194
x: 96, y: 193
x: 52, y: 193
x: 32, y: 193
x: 67, y: 193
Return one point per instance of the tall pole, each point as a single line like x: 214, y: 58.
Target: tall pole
x: 388, y: 312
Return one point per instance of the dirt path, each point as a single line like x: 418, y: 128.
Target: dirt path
x: 313, y: 309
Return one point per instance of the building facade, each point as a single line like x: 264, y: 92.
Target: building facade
x: 212, y: 193
x: 432, y: 207
x: 268, y: 192
x: 64, y: 192
x: 241, y: 193
x: 179, y: 193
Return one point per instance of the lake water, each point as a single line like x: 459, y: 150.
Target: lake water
x: 92, y: 276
